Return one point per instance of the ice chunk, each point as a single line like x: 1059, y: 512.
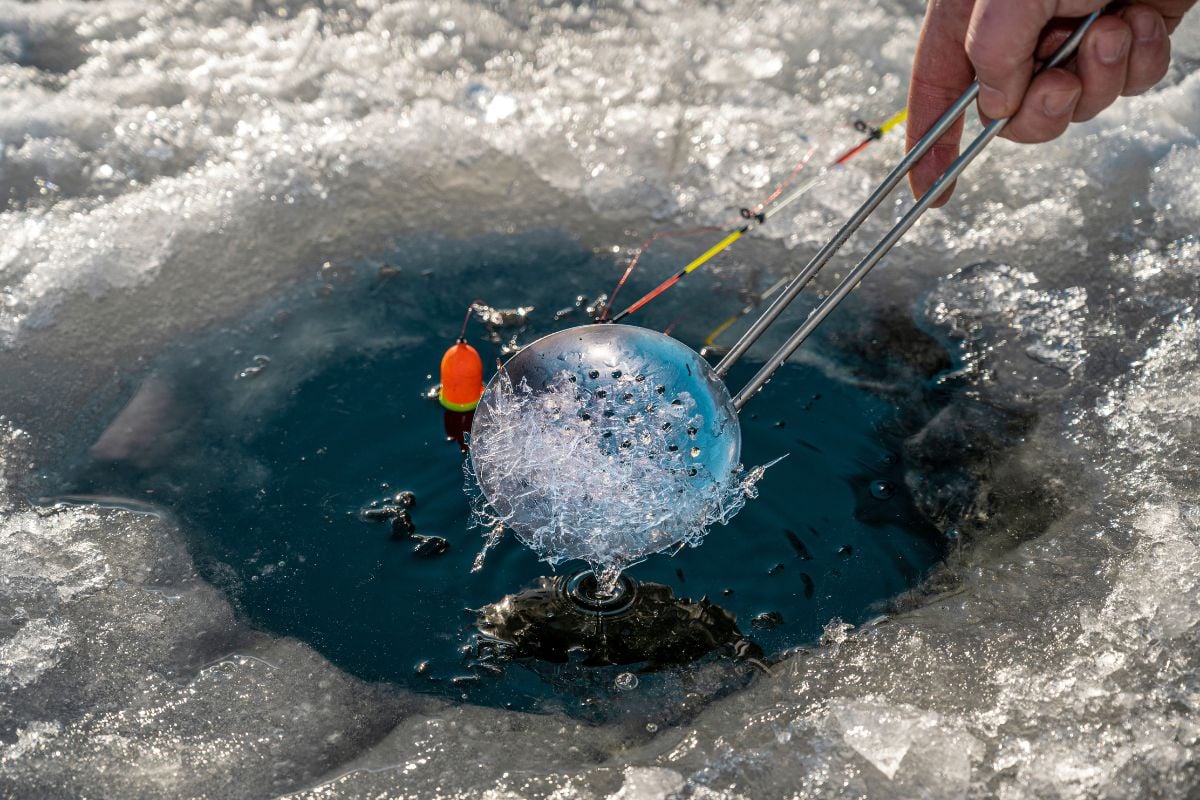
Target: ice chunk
x: 904, y: 742
x: 607, y: 468
x: 34, y: 650
x: 878, y: 736
x: 1051, y: 323
x: 1175, y: 191
x: 649, y: 783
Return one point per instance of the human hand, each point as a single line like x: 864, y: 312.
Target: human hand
x: 996, y: 42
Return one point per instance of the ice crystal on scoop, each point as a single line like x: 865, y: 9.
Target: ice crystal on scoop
x: 606, y: 468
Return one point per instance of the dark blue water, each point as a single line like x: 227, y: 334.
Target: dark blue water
x: 265, y: 440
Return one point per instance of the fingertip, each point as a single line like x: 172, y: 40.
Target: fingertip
x: 1146, y: 23
x: 994, y: 103
x: 1102, y: 65
x: 1001, y: 41
x: 1150, y: 52
x: 945, y: 196
x: 918, y: 181
x: 927, y: 105
x: 920, y: 187
x: 920, y: 184
x: 927, y: 171
x: 914, y: 186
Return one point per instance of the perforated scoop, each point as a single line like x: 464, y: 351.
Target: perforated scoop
x: 622, y: 368
x: 607, y: 443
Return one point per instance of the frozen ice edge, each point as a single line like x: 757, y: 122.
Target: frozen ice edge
x: 115, y: 651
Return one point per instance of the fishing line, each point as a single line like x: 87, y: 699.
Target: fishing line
x: 642, y: 251
x: 730, y: 238
x: 755, y: 302
x: 759, y: 215
x: 462, y: 334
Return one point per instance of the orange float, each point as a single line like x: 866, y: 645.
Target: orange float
x: 462, y: 378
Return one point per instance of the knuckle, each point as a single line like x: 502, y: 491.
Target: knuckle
x: 1035, y: 130
x: 991, y: 55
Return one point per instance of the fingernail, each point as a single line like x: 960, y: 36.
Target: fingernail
x: 1145, y: 26
x: 992, y: 101
x: 1112, y: 46
x: 1055, y: 104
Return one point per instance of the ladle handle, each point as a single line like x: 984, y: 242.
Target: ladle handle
x: 830, y: 248
x: 851, y: 281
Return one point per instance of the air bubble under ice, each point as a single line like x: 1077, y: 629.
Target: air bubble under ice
x: 620, y: 449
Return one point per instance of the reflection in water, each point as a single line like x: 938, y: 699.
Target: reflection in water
x: 146, y: 431
x: 562, y: 619
x: 457, y: 425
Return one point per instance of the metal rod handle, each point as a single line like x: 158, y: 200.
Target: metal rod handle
x: 856, y: 275
x: 802, y: 278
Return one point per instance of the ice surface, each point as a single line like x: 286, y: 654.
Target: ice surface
x: 114, y: 650
x: 1052, y: 323
x: 166, y: 165
x: 887, y: 736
